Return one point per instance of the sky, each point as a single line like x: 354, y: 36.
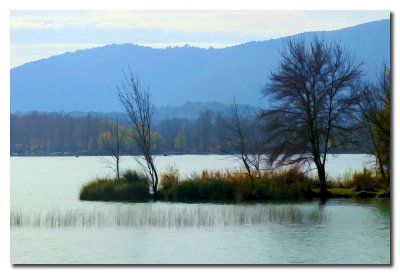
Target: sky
x: 41, y: 34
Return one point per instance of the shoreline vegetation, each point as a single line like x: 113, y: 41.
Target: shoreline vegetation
x: 227, y: 186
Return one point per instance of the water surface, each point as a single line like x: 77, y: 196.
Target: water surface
x: 56, y: 227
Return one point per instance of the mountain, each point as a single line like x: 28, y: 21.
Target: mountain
x: 86, y: 80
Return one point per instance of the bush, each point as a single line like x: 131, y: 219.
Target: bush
x: 365, y: 180
x: 290, y: 183
x: 202, y: 189
x: 220, y: 186
x: 292, y: 191
x: 130, y: 192
x: 132, y: 177
x: 287, y: 177
x: 98, y: 189
x: 133, y: 187
x: 344, y: 180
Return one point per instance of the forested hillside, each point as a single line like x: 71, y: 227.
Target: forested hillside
x: 86, y: 80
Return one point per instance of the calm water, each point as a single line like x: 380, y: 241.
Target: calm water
x: 50, y: 224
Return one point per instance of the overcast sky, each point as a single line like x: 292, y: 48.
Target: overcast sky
x: 40, y: 34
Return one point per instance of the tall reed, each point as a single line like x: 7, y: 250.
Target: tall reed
x: 172, y: 215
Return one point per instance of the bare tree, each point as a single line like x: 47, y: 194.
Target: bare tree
x: 250, y: 149
x: 375, y: 116
x: 135, y: 99
x: 312, y: 104
x: 112, y: 142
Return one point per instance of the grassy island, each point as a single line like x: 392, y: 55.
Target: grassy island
x: 286, y: 184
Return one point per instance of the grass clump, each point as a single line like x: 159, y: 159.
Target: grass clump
x: 227, y: 186
x: 362, y: 184
x: 169, y: 178
x: 133, y: 177
x: 342, y: 192
x: 367, y: 181
x: 201, y: 190
x: 290, y: 183
x: 283, y: 184
x: 361, y: 180
x: 132, y: 187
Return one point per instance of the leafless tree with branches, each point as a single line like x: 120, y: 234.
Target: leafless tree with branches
x: 239, y: 132
x: 112, y: 142
x: 135, y: 99
x: 312, y: 104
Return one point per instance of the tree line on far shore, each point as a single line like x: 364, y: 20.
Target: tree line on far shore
x: 38, y: 133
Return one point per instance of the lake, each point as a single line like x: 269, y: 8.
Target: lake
x: 49, y: 225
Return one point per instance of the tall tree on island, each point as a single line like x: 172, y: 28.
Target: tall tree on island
x: 135, y: 99
x: 312, y: 104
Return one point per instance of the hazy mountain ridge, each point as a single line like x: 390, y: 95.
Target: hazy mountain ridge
x: 189, y: 110
x: 86, y: 80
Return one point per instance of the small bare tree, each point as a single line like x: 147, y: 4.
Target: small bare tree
x: 135, y: 99
x: 312, y: 104
x: 112, y: 143
x: 250, y: 149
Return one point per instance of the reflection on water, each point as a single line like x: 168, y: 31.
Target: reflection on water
x: 339, y: 232
x: 50, y: 225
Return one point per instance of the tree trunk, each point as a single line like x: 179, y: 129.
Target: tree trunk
x: 380, y: 165
x: 248, y: 171
x: 154, y: 180
x: 322, y: 178
x: 155, y: 195
x: 117, y: 163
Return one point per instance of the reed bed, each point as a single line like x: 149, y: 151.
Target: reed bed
x: 172, y: 216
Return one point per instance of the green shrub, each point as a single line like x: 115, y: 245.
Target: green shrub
x: 292, y: 191
x: 104, y: 189
x: 99, y: 189
x: 291, y: 183
x: 365, y: 180
x: 261, y: 191
x: 132, y: 177
x: 289, y: 176
x: 202, y: 189
x: 131, y: 192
